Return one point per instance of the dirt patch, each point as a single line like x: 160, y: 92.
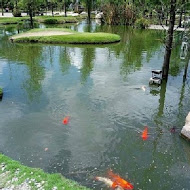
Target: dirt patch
x: 43, y: 33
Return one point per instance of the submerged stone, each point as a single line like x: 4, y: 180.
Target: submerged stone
x: 185, y: 132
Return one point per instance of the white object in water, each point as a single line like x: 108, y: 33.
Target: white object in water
x: 156, y: 77
x: 143, y: 88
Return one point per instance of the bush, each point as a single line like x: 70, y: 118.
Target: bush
x: 51, y: 21
x: 142, y: 23
x: 16, y: 13
x: 118, y: 14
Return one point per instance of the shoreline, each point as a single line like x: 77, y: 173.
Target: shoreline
x: 15, y: 176
x: 163, y: 27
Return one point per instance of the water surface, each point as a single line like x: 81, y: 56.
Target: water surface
x: 99, y: 87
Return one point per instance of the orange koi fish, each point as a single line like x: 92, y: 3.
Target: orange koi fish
x: 65, y: 120
x: 145, y: 134
x: 118, y: 181
x: 109, y: 183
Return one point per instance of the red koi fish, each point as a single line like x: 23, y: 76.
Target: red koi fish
x: 118, y: 181
x: 65, y: 120
x: 145, y: 134
x: 108, y: 182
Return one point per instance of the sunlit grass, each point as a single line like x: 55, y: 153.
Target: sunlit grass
x: 12, y: 20
x: 41, y: 19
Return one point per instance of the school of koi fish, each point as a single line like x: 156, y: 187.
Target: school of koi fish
x: 114, y: 181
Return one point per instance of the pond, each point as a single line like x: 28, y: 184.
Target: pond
x: 100, y: 89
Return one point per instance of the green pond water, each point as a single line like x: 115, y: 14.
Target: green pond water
x: 99, y: 88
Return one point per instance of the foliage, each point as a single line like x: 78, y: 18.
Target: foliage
x: 118, y: 14
x: 50, y: 21
x: 16, y: 12
x: 142, y: 23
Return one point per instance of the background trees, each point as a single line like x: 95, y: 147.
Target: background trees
x: 139, y: 13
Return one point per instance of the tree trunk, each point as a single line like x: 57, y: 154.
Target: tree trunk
x: 52, y: 9
x: 2, y: 7
x: 168, y: 49
x: 16, y: 4
x: 89, y: 5
x: 181, y: 12
x: 31, y: 15
x: 166, y: 15
x: 65, y: 8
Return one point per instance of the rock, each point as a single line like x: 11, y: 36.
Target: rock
x: 185, y: 132
x: 187, y: 121
x: 99, y: 15
x: 38, y: 185
x: 84, y: 13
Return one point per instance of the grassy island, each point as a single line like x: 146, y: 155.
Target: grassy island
x: 40, y: 19
x: 12, y: 20
x: 12, y: 173
x: 64, y: 36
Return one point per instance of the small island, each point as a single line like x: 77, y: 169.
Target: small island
x: 64, y: 36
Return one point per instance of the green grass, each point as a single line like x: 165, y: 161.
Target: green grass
x: 74, y: 38
x: 40, y: 19
x: 39, y: 175
x: 56, y: 19
x: 12, y: 20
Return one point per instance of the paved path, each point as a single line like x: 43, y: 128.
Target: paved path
x: 160, y: 27
x: 56, y: 13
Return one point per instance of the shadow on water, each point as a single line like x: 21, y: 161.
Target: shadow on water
x: 99, y: 87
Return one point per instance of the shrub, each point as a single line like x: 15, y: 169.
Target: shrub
x: 51, y: 21
x: 16, y: 13
x: 118, y: 14
x: 142, y: 23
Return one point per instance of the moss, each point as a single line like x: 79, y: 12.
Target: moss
x: 39, y: 175
x: 72, y: 38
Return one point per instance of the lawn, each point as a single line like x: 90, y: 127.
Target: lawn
x: 71, y: 38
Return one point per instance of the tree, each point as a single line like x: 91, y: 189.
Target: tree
x: 31, y: 6
x: 66, y: 5
x: 181, y: 12
x: 88, y: 4
x: 2, y: 7
x: 168, y: 49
